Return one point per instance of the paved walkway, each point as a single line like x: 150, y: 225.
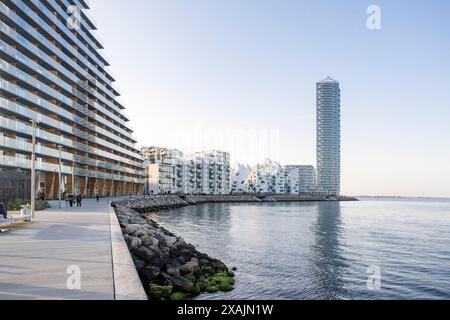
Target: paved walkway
x: 34, y: 259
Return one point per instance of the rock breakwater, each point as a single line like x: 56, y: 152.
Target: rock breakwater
x: 169, y: 267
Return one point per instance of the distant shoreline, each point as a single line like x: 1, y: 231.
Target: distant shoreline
x: 260, y: 198
x: 404, y: 197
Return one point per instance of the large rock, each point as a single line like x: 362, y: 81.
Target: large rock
x: 129, y: 229
x: 135, y: 243
x: 190, y: 267
x: 144, y: 253
x: 138, y: 263
x: 147, y: 240
x: 150, y: 273
x: 173, y: 268
x: 182, y: 284
x: 159, y: 261
x: 160, y: 292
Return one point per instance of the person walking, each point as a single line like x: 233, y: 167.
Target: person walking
x: 79, y: 199
x: 97, y: 196
x: 71, y: 199
x: 3, y: 210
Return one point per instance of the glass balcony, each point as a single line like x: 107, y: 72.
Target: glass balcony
x: 15, y: 162
x: 57, y: 66
x: 42, y: 24
x: 50, y: 91
x: 85, y: 35
x: 42, y: 55
x: 21, y: 127
x: 16, y: 90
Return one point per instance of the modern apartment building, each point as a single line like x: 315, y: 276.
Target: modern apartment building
x: 267, y: 177
x: 53, y: 74
x: 213, y: 169
x: 168, y: 171
x: 302, y: 178
x: 328, y: 136
x: 239, y: 176
x: 271, y: 177
x: 161, y: 178
x: 158, y: 154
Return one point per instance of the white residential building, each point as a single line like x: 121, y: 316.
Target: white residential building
x: 168, y: 171
x: 267, y: 177
x: 159, y: 154
x: 161, y: 178
x: 212, y: 172
x: 301, y: 176
x: 271, y: 177
x: 292, y: 180
x: 239, y: 175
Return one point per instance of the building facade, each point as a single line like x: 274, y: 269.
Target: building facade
x: 158, y: 154
x: 213, y: 172
x: 239, y: 176
x: 169, y: 171
x: 301, y: 177
x: 328, y: 136
x: 161, y: 178
x: 266, y: 177
x: 53, y: 75
x: 271, y: 177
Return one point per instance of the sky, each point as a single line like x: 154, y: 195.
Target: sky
x: 240, y: 76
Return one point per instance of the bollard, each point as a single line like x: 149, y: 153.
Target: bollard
x: 25, y: 213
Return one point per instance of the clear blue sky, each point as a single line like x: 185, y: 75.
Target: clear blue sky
x: 194, y: 72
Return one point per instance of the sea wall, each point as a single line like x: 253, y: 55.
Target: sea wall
x: 199, y: 199
x: 168, y: 267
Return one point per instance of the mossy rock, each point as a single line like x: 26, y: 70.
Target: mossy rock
x: 225, y: 287
x: 159, y: 292
x: 202, y: 285
x: 218, y: 279
x: 177, y: 296
x: 212, y: 289
x: 190, y: 277
x: 231, y: 274
x: 195, y: 290
x: 221, y: 274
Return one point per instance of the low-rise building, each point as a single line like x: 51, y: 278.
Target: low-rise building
x: 271, y: 177
x: 239, y: 175
x: 161, y: 178
x: 168, y: 171
x: 305, y: 175
x: 159, y: 154
x: 267, y: 177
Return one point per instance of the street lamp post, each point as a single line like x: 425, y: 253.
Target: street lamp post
x: 33, y: 168
x: 73, y: 177
x: 59, y: 176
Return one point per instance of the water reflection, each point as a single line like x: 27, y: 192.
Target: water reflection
x: 322, y: 250
x: 326, y: 260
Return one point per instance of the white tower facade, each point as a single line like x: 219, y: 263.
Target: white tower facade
x: 329, y: 136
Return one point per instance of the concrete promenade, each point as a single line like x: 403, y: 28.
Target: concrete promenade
x: 35, y: 259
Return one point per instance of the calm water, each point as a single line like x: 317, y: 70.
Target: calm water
x: 323, y: 250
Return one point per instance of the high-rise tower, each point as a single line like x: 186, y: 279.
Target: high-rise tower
x: 329, y: 136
